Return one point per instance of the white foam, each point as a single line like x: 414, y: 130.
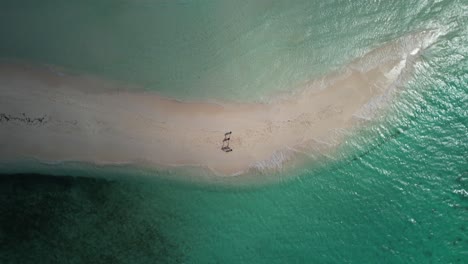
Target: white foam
x: 410, y: 47
x: 395, y: 72
x: 276, y: 160
x: 415, y: 51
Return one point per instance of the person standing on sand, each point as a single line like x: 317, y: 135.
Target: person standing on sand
x: 226, y: 139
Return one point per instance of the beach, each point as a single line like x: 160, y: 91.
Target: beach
x: 52, y: 116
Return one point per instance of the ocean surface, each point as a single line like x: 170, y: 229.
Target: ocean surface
x: 396, y: 191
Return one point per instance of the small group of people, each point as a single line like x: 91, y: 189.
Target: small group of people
x: 227, y: 137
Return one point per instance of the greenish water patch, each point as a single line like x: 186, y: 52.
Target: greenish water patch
x: 242, y: 50
x: 47, y: 219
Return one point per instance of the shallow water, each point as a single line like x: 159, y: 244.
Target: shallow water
x: 395, y: 192
x: 247, y: 50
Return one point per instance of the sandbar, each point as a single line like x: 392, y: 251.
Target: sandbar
x: 53, y: 116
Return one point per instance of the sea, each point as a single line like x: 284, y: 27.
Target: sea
x: 394, y: 191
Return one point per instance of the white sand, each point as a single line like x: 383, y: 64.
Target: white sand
x: 83, y: 121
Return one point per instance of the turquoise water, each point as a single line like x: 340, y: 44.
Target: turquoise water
x: 235, y: 50
x: 395, y: 192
